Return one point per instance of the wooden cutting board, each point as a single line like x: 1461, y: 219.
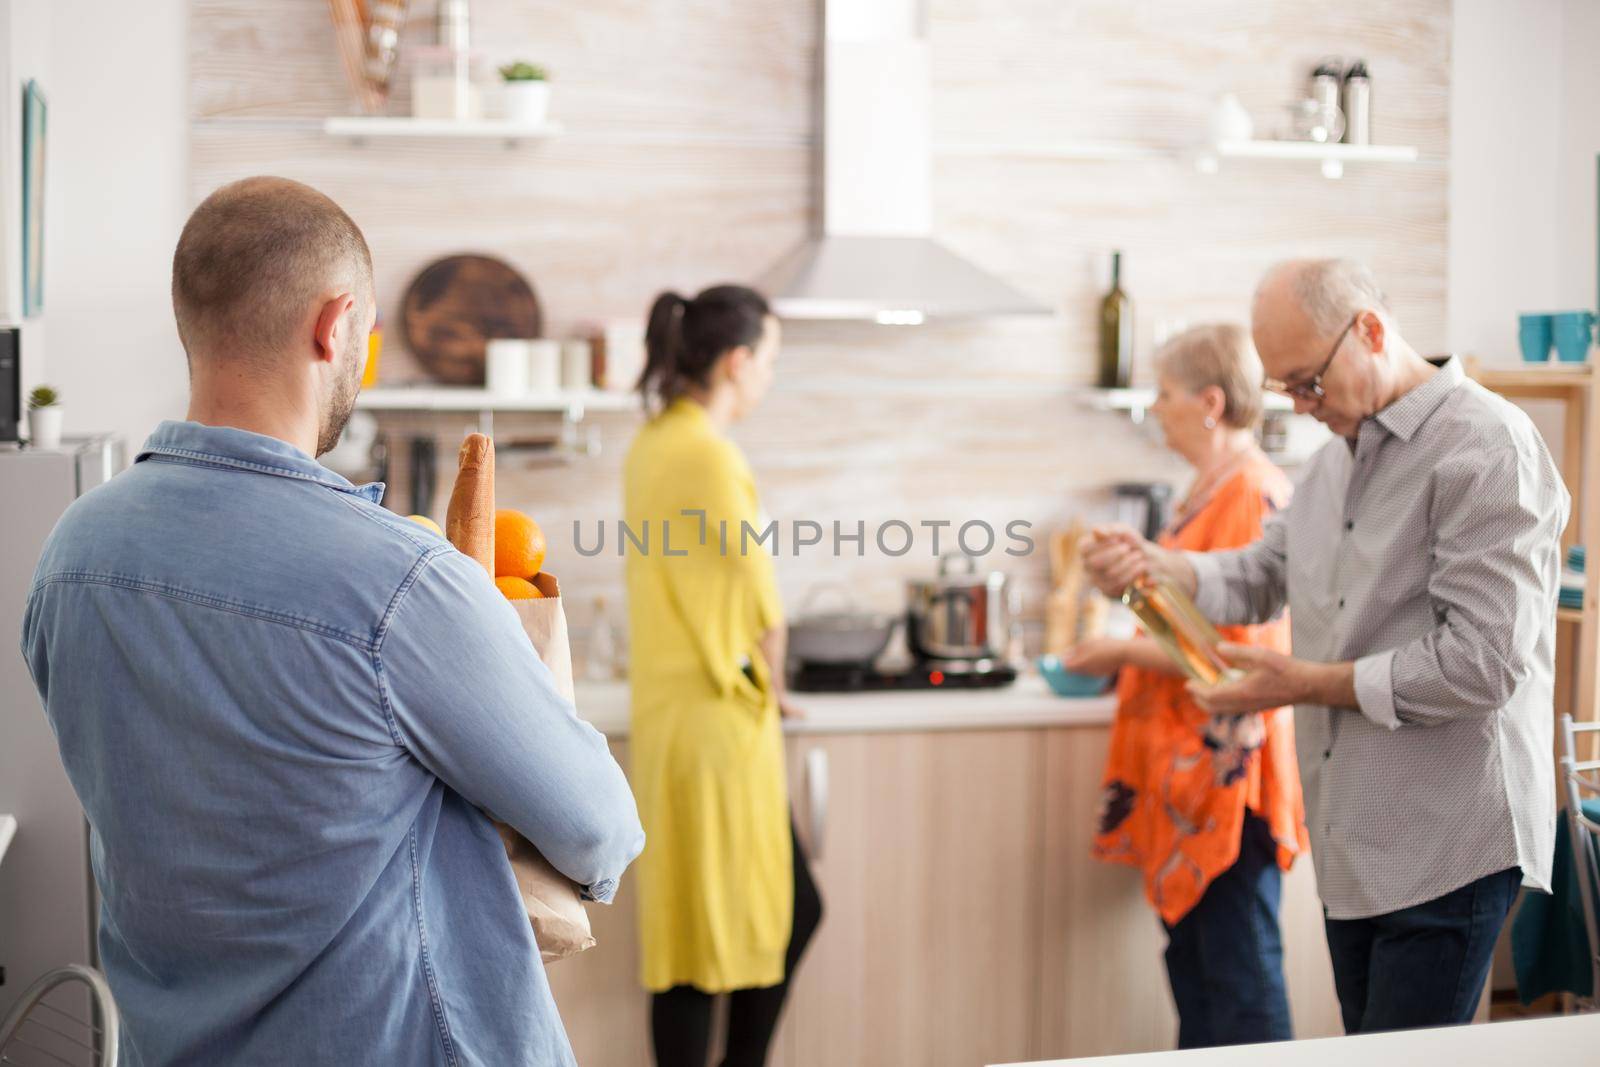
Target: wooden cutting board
x: 457, y: 305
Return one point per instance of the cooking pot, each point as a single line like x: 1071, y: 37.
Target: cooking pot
x: 843, y: 636
x: 960, y: 614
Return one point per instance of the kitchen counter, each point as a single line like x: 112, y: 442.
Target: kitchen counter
x: 972, y: 813
x: 1028, y: 703
x: 1556, y: 1040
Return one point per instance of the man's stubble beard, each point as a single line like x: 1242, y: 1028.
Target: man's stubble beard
x: 342, y: 401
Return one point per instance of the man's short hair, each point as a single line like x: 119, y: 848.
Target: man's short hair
x: 253, y: 257
x: 1333, y: 290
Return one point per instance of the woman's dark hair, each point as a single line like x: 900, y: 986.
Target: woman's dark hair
x: 685, y: 338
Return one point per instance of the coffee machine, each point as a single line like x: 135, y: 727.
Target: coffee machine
x: 1143, y: 505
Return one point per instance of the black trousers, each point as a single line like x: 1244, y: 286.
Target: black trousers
x: 680, y: 1018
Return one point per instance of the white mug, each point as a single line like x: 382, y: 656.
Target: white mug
x: 544, y: 367
x: 507, y: 367
x: 576, y: 360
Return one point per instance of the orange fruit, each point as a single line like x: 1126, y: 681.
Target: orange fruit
x: 423, y: 520
x: 519, y: 544
x: 517, y: 588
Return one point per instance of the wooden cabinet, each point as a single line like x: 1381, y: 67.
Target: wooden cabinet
x: 605, y: 1010
x: 964, y: 920
x: 928, y: 867
x: 1103, y: 985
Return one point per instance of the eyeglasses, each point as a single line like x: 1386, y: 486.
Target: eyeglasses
x: 1312, y: 389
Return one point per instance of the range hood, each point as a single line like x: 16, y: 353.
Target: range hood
x: 875, y: 258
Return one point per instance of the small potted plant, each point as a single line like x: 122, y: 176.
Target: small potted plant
x: 44, y: 418
x: 527, y: 93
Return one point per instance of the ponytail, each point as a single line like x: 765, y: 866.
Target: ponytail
x: 684, y: 339
x: 663, y: 343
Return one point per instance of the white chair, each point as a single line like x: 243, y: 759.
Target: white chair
x: 1580, y: 777
x: 45, y: 1029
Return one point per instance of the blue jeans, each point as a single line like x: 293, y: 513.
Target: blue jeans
x: 1424, y: 965
x: 1225, y: 958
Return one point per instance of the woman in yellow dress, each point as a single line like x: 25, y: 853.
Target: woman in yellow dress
x: 726, y: 903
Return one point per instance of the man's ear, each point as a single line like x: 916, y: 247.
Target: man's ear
x: 1372, y: 330
x: 329, y: 326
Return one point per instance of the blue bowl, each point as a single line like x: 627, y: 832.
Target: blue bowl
x: 1065, y: 683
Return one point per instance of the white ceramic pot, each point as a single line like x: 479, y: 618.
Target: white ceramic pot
x: 544, y: 368
x: 506, y: 372
x: 44, y: 427
x: 526, y: 103
x: 1230, y: 121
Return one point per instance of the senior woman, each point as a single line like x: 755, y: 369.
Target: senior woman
x: 1207, y: 807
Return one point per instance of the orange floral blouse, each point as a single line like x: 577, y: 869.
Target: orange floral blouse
x: 1178, y: 781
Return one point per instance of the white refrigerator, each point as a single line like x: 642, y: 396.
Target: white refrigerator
x: 47, y: 899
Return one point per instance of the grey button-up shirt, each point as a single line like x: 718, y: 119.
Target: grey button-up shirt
x: 1429, y: 553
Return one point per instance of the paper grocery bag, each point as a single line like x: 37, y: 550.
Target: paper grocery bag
x: 560, y: 923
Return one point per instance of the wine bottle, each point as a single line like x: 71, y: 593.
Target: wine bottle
x: 1186, y: 636
x: 1116, y: 332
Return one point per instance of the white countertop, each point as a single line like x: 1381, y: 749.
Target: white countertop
x: 1567, y: 1039
x: 1027, y: 703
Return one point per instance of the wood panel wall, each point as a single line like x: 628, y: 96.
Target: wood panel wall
x: 688, y: 161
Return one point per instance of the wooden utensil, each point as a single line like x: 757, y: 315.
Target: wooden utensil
x: 457, y: 305
x: 1066, y: 593
x: 350, y: 31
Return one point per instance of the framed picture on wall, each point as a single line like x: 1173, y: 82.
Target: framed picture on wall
x: 33, y: 130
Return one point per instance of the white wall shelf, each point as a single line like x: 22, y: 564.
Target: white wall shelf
x: 1304, y: 438
x: 458, y: 398
x: 360, y: 128
x: 1135, y: 402
x: 1206, y: 158
x: 1332, y: 157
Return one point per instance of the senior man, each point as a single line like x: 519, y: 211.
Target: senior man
x: 1420, y: 562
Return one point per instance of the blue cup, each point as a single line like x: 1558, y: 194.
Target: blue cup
x: 1534, y: 331
x: 1573, y: 332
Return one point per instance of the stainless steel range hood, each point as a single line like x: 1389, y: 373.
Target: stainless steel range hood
x: 875, y: 258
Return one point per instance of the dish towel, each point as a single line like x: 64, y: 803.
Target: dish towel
x: 1571, y: 595
x: 1549, y: 944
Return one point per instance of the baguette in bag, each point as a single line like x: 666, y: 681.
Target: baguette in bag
x: 560, y: 922
x: 554, y: 906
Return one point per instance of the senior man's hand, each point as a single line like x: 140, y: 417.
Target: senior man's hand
x: 1273, y: 680
x: 1116, y: 556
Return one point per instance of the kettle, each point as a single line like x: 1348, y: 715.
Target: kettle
x: 1144, y: 506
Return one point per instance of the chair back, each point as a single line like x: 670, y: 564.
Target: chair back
x: 46, y: 1027
x: 1581, y: 778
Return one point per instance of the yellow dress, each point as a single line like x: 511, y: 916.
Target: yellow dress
x: 715, y: 881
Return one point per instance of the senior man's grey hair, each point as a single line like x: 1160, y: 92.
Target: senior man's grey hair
x: 1333, y: 290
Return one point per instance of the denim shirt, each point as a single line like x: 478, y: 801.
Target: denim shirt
x: 286, y: 710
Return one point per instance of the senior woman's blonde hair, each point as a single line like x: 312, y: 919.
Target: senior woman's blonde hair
x: 1218, y: 354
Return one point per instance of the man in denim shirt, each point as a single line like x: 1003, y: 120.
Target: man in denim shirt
x: 286, y: 710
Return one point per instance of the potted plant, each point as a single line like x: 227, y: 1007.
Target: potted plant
x: 527, y: 93
x: 44, y: 418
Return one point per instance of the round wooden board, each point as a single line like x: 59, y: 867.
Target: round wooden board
x: 457, y: 305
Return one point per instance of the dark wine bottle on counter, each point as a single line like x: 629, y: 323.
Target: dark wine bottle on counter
x: 1116, y: 332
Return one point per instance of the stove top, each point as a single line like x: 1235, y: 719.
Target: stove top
x: 983, y: 674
